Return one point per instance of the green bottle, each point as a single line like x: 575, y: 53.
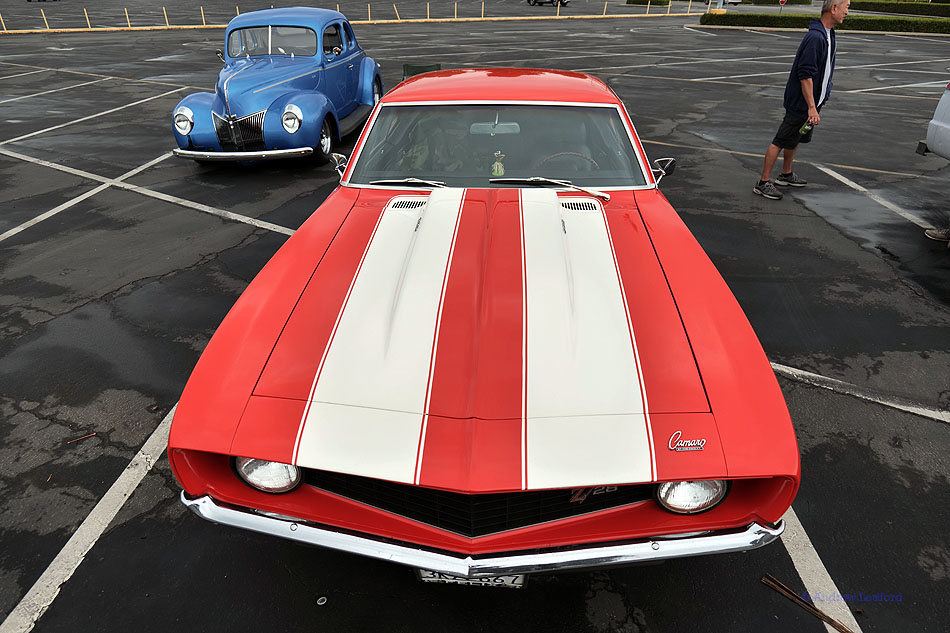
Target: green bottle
x: 805, y: 128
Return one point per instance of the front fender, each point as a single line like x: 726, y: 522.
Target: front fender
x: 369, y: 72
x: 313, y: 105
x: 202, y: 134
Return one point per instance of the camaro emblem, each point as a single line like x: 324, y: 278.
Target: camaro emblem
x: 677, y: 444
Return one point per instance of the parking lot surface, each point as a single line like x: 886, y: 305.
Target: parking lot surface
x: 118, y: 261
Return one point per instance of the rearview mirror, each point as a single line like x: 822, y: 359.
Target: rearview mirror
x: 663, y: 167
x: 339, y: 163
x: 494, y: 128
x: 220, y: 55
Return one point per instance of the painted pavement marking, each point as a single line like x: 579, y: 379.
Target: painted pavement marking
x: 31, y: 607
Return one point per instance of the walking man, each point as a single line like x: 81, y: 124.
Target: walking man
x: 808, y: 87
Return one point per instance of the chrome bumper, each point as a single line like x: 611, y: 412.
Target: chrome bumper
x: 561, y: 559
x: 265, y: 155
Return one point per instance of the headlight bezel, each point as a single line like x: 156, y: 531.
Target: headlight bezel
x: 187, y: 117
x: 665, y: 505
x: 291, y: 113
x: 239, y: 465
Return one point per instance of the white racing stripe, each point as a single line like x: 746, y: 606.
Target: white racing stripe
x: 365, y: 417
x: 585, y: 416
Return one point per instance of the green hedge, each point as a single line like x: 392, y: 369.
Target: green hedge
x: 655, y: 2
x: 788, y: 2
x: 913, y: 8
x: 851, y: 23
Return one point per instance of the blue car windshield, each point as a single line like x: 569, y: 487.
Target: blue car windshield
x: 467, y: 145
x: 272, y: 40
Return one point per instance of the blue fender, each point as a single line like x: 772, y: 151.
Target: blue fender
x: 369, y: 72
x: 313, y: 105
x: 202, y: 134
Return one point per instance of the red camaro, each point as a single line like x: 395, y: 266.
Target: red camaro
x: 494, y: 350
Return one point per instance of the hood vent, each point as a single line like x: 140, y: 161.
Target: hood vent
x: 407, y: 204
x: 579, y: 205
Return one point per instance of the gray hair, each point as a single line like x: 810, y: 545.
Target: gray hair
x: 827, y: 4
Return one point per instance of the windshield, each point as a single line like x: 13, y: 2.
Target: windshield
x: 467, y: 145
x: 272, y: 40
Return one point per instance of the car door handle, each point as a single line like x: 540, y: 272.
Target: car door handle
x: 350, y: 67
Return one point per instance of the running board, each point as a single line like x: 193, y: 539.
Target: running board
x: 354, y: 119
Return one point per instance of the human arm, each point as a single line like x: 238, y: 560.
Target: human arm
x: 808, y: 92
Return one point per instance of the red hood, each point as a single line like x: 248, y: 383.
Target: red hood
x: 479, y: 346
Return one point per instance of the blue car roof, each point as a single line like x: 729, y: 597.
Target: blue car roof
x: 286, y: 16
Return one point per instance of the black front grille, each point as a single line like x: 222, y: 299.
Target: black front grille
x: 475, y: 515
x: 240, y: 135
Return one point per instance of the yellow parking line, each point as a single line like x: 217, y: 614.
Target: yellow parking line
x: 426, y: 20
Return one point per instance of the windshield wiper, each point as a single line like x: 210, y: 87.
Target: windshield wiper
x: 408, y: 181
x: 539, y: 180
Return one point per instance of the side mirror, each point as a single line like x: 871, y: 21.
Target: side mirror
x: 339, y: 163
x: 220, y: 55
x: 663, y: 167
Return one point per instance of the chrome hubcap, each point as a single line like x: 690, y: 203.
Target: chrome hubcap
x: 325, y: 140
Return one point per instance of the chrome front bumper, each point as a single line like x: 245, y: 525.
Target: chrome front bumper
x: 561, y: 559
x: 232, y: 156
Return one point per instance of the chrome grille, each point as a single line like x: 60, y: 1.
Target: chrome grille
x: 245, y: 134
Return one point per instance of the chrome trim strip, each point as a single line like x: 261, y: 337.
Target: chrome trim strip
x: 359, y: 55
x: 580, y: 557
x: 224, y: 156
x: 227, y: 102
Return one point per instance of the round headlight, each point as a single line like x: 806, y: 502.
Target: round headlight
x: 690, y: 497
x: 268, y: 476
x: 184, y: 120
x: 291, y: 118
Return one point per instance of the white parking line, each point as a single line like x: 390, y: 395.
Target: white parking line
x: 32, y: 606
x: 197, y: 206
x: 46, y: 92
x: 767, y: 33
x: 813, y: 573
x: 907, y: 215
x: 118, y: 182
x: 32, y: 72
x: 848, y: 389
x: 91, y: 116
x: 917, y: 85
x: 71, y: 203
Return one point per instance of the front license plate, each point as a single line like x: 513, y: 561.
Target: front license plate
x: 514, y: 581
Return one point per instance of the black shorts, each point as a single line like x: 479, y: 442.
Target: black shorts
x: 787, y: 136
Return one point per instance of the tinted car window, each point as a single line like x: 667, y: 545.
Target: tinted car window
x: 466, y: 145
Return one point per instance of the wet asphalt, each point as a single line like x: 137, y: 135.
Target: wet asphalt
x: 105, y: 307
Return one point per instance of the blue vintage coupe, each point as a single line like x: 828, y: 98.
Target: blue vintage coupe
x: 294, y: 82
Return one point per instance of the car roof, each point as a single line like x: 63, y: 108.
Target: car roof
x: 289, y: 16
x: 502, y: 84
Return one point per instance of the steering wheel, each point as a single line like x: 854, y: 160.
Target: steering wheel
x: 576, y: 157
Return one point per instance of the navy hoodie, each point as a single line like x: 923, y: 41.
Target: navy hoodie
x: 809, y: 62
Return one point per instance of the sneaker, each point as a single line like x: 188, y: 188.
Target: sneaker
x: 786, y: 180
x: 941, y: 235
x: 768, y: 190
